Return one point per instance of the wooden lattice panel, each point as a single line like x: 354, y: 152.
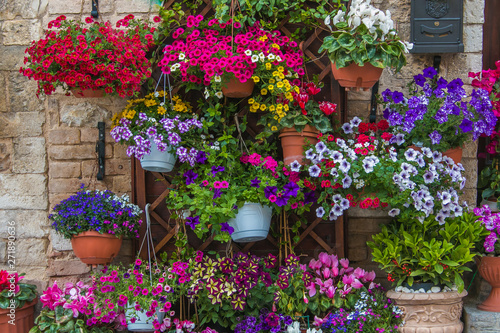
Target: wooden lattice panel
x: 314, y: 237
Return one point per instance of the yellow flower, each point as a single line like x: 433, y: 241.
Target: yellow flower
x: 276, y: 46
x: 279, y: 84
x: 270, y: 87
x: 288, y: 95
x: 251, y: 101
x: 281, y: 69
x: 281, y: 76
x: 276, y: 73
x: 161, y: 110
x: 286, y: 107
x: 274, y: 128
x: 263, y: 107
x: 276, y: 117
x: 272, y: 108
x: 150, y: 102
x: 279, y: 107
x: 263, y: 38
x: 272, y: 81
x: 268, y: 65
x: 256, y: 105
x: 255, y: 79
x: 263, y: 92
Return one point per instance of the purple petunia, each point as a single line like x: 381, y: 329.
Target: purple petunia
x: 255, y: 182
x: 270, y: 190
x: 193, y: 221
x: 225, y: 227
x: 435, y: 137
x: 190, y: 176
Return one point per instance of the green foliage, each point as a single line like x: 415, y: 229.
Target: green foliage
x: 489, y: 180
x: 26, y: 294
x: 428, y: 251
x: 61, y: 320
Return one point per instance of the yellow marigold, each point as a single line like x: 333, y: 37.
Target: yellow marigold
x: 251, y: 101
x: 274, y: 128
x: 161, y: 110
x: 263, y: 107
x: 255, y: 78
x: 263, y: 91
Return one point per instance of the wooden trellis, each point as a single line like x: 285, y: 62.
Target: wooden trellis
x: 315, y: 236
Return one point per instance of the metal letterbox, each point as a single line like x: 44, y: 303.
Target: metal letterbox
x: 436, y: 26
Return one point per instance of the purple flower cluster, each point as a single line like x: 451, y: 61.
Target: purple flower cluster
x: 491, y: 221
x: 266, y: 322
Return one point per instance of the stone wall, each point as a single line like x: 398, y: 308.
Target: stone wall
x: 47, y: 145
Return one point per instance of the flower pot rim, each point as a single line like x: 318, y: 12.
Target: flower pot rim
x: 90, y: 233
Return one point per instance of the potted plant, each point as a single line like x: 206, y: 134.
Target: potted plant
x: 220, y: 56
x: 489, y: 262
x: 91, y: 58
x: 266, y: 321
x: 439, y: 114
x: 489, y: 178
x: 362, y: 168
x: 17, y: 303
x: 426, y: 261
x: 226, y: 182
x: 96, y: 221
x: 362, y: 43
x: 157, y: 132
x: 299, y: 119
x: 144, y: 293
x: 70, y: 310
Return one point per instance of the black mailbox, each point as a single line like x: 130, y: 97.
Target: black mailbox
x: 436, y: 26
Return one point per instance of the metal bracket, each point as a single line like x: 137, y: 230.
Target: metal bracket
x: 100, y: 150
x: 437, y: 62
x: 373, y: 108
x: 95, y: 9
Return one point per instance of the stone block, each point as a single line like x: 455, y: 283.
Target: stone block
x: 3, y: 94
x: 370, y: 213
x: 12, y: 57
x: 477, y: 321
x: 6, y: 151
x: 28, y: 9
x: 64, y: 185
x: 76, y: 152
x: 23, y: 191
x: 120, y: 152
x: 27, y: 223
x: 132, y: 6
x: 364, y: 225
x: 64, y: 136
x: 53, y: 112
x: 64, y: 170
x: 89, y: 134
x: 65, y: 7
x: 31, y: 252
x: 473, y: 12
x: 67, y: 267
x: 21, y: 124
x: 357, y: 254
x: 59, y: 243
x: 469, y: 196
x: 117, y: 167
x: 470, y: 149
x: 29, y: 155
x: 473, y: 40
x: 359, y: 108
x: 22, y: 92
x: 3, y: 252
x: 83, y: 114
x: 105, y: 6
x: 122, y: 184
x: 470, y: 173
x: 20, y: 32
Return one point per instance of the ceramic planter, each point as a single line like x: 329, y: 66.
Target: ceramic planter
x: 93, y: 248
x: 455, y: 154
x: 236, y: 89
x: 293, y: 143
x: 489, y: 269
x: 87, y: 93
x: 142, y: 322
x: 251, y: 223
x: 158, y: 161
x: 357, y: 77
x: 24, y: 318
x: 430, y: 312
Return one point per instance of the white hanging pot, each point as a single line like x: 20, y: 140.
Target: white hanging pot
x: 158, y: 161
x: 142, y: 322
x: 491, y: 204
x: 251, y: 223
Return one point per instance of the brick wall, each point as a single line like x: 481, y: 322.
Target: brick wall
x: 47, y: 145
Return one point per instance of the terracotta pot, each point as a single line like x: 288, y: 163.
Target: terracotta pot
x: 430, y: 312
x: 356, y: 77
x: 489, y: 269
x: 87, y: 93
x: 94, y: 248
x: 236, y: 89
x: 293, y: 142
x: 454, y: 153
x: 24, y: 318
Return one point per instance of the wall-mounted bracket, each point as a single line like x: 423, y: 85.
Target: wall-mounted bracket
x: 437, y: 63
x: 95, y: 9
x: 373, y: 107
x: 100, y: 150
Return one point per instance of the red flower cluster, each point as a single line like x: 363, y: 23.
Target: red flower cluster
x: 91, y: 55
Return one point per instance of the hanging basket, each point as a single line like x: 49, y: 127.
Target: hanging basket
x: 252, y: 223
x: 93, y: 248
x: 142, y: 322
x: 293, y: 143
x: 87, y: 93
x: 357, y: 77
x: 158, y: 161
x: 236, y: 89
